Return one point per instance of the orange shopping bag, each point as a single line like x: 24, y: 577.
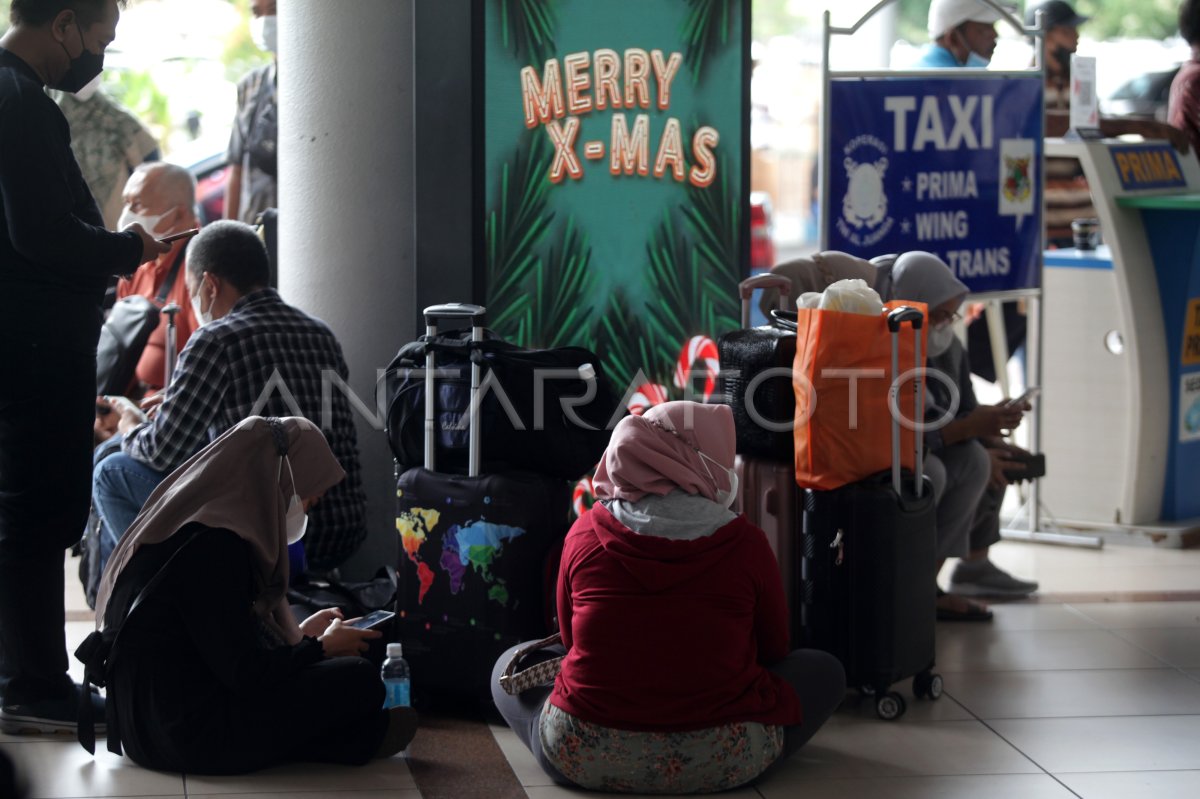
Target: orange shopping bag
x: 841, y: 376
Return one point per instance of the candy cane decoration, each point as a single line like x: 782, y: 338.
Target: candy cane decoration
x: 699, y: 348
x: 583, y: 496
x: 646, y: 397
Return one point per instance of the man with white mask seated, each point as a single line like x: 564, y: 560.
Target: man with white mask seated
x: 162, y: 198
x: 254, y: 354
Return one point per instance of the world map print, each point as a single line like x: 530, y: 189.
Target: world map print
x: 470, y: 547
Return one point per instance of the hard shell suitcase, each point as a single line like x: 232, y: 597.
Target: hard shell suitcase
x: 756, y: 378
x: 868, y: 569
x: 770, y: 499
x: 472, y: 576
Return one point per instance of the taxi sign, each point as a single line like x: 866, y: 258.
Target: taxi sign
x: 1148, y: 166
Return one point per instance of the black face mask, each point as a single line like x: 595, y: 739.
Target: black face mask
x: 82, y: 68
x: 1063, y: 56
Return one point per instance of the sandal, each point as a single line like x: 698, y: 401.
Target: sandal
x: 970, y: 610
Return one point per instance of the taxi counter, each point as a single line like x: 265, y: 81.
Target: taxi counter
x: 1120, y: 415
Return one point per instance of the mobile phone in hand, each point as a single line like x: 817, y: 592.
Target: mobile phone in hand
x: 372, y: 619
x: 177, y: 236
x: 1029, y: 394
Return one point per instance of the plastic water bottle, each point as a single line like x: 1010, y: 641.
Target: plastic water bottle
x: 395, y: 678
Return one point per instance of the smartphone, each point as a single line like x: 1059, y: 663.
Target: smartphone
x: 1029, y: 394
x: 177, y: 236
x: 372, y: 619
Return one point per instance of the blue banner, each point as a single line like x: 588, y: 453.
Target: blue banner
x: 947, y: 165
x: 1148, y: 166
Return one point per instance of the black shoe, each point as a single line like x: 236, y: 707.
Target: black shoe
x: 50, y: 716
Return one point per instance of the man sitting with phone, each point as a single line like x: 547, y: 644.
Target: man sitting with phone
x: 252, y: 355
x: 967, y: 458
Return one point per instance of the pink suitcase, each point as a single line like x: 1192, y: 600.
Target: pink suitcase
x: 769, y: 498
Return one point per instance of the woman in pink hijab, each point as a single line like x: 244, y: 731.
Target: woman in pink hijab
x: 207, y: 670
x: 677, y: 676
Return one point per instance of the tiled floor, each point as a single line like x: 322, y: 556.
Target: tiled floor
x: 1056, y: 699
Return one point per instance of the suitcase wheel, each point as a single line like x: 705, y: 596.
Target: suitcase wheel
x: 927, y: 685
x: 890, y: 706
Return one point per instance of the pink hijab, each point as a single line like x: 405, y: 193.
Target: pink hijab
x: 657, y: 452
x: 236, y: 483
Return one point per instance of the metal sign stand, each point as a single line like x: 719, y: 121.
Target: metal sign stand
x: 1032, y: 296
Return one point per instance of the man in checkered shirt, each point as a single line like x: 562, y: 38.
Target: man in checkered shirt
x: 253, y: 355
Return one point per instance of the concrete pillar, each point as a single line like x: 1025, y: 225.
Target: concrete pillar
x: 346, y: 202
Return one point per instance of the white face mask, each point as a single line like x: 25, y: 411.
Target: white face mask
x: 296, y: 520
x: 264, y: 31
x: 940, y: 339
x: 148, y: 222
x: 203, y: 317
x: 89, y: 89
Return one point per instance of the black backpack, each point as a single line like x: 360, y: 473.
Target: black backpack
x: 100, y: 650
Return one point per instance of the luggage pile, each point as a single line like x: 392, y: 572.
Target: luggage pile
x: 486, y: 437
x: 850, y: 519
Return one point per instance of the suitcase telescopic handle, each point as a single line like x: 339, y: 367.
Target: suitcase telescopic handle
x: 746, y: 290
x: 477, y: 316
x: 895, y: 320
x: 169, y: 362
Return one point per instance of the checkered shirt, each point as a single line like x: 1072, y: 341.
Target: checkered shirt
x: 263, y: 358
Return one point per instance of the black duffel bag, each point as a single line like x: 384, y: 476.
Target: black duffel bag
x: 545, y: 411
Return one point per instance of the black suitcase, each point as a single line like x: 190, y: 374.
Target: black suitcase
x: 473, y: 575
x: 868, y: 571
x: 756, y: 378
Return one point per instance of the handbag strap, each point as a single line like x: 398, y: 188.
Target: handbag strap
x: 511, y: 669
x: 161, y: 298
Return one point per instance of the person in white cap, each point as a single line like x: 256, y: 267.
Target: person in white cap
x: 963, y: 34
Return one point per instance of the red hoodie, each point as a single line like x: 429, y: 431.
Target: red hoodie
x: 671, y: 635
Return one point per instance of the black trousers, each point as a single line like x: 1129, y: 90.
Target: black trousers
x: 329, y: 712
x: 47, y: 408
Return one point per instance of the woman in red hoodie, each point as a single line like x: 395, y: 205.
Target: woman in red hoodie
x: 677, y: 676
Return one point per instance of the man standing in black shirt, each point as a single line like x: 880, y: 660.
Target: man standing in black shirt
x: 55, y: 260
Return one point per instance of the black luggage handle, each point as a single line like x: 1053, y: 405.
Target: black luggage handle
x: 895, y: 320
x: 785, y: 320
x: 904, y: 314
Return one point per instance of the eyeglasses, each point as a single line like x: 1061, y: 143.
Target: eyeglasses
x: 941, y: 318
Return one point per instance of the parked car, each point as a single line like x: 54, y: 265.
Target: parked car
x: 210, y: 173
x: 1144, y: 97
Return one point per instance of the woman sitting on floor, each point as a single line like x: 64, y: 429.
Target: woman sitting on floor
x: 677, y: 676
x: 209, y: 672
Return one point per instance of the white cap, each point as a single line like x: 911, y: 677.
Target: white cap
x: 395, y: 650
x: 587, y: 372
x: 946, y: 15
